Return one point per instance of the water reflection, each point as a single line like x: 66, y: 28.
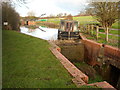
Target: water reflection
x: 41, y: 32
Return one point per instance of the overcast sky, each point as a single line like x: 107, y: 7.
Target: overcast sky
x: 52, y: 7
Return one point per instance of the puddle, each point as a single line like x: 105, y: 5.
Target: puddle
x: 47, y: 34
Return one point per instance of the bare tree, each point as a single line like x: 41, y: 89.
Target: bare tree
x: 60, y: 15
x: 31, y: 13
x: 105, y: 12
x: 65, y: 14
x: 19, y: 3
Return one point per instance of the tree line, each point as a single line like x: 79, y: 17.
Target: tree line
x: 10, y: 18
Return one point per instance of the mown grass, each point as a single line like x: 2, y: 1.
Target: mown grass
x: 54, y: 20
x: 85, y: 20
x: 91, y: 20
x: 103, y: 36
x: 116, y: 25
x: 28, y: 63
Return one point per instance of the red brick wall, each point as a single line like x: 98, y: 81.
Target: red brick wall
x: 91, y: 51
x: 112, y: 52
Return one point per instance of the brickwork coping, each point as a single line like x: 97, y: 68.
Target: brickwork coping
x: 82, y: 37
x: 78, y: 82
x: 75, y: 72
x: 54, y: 46
x: 112, y: 52
x: 103, y: 84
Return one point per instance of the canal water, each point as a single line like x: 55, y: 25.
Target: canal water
x: 41, y: 32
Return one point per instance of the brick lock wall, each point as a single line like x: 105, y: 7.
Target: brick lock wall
x: 91, y: 51
x: 112, y: 52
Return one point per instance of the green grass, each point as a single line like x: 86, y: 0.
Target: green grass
x: 113, y: 40
x: 93, y: 87
x: 91, y: 20
x: 103, y: 36
x: 98, y: 78
x: 116, y: 25
x: 54, y: 20
x: 84, y: 20
x: 110, y: 31
x: 84, y: 67
x: 114, y: 32
x: 28, y: 63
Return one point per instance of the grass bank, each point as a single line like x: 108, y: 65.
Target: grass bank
x: 28, y: 63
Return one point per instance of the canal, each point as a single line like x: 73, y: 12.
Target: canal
x: 41, y: 32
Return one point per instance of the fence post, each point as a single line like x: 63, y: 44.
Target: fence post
x: 88, y: 29
x: 97, y: 31
x: 92, y: 27
x: 81, y: 28
x: 107, y: 34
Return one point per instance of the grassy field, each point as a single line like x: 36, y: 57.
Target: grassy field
x: 113, y: 40
x: 89, y: 20
x: 28, y: 63
x: 54, y: 20
x: 83, y: 20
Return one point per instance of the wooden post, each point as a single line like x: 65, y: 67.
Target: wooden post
x: 82, y: 28
x: 92, y: 27
x: 88, y: 29
x: 97, y: 31
x: 85, y: 27
x: 107, y: 34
